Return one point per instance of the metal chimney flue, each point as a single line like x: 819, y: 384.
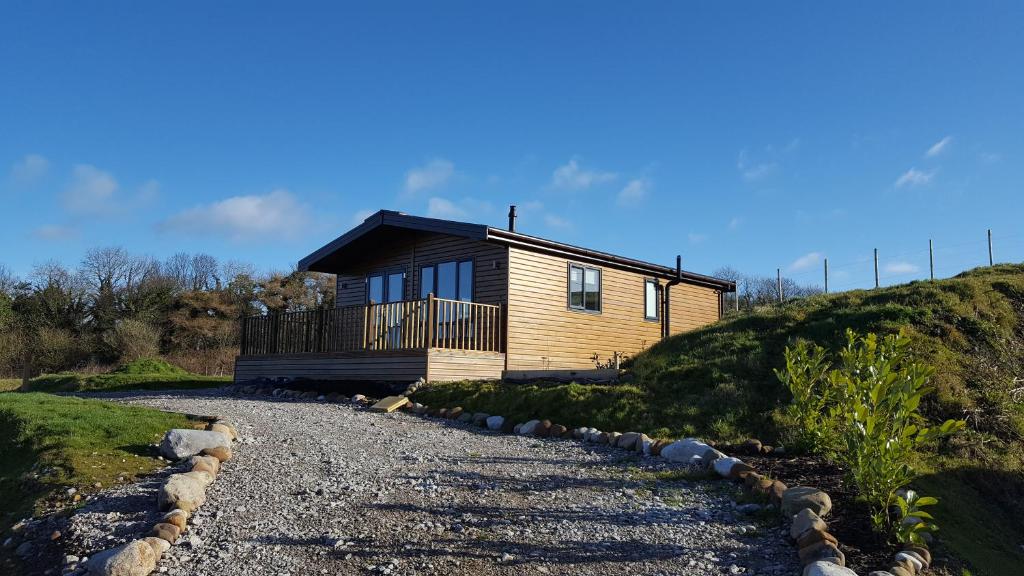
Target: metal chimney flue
x: 512, y: 218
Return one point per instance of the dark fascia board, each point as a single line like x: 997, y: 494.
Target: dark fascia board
x: 595, y: 257
x: 398, y: 220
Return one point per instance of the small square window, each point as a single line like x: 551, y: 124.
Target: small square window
x: 584, y: 288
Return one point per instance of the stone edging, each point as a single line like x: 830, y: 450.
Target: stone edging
x: 180, y: 495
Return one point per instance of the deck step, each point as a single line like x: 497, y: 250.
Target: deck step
x: 390, y: 404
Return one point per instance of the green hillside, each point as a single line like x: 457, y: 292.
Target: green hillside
x: 718, y: 383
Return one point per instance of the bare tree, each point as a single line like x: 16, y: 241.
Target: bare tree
x: 8, y: 281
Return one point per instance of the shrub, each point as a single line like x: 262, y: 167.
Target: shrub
x: 811, y: 413
x: 912, y: 522
x: 882, y: 386
x: 133, y: 339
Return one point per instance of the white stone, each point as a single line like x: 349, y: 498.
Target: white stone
x: 529, y: 428
x: 823, y: 568
x: 183, y: 443
x: 495, y: 422
x: 724, y: 465
x: 684, y: 450
x: 186, y: 491
x: 135, y: 558
x: 627, y: 440
x: 918, y: 566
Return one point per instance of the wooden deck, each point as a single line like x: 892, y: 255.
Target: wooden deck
x: 435, y: 339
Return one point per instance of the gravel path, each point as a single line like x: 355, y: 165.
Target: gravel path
x: 317, y: 488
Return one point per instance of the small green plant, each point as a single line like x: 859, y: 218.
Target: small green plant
x: 913, y: 522
x: 811, y: 412
x: 881, y: 386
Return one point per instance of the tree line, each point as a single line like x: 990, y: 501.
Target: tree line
x: 116, y: 306
x: 754, y: 291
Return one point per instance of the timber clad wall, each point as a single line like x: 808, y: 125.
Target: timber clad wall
x: 544, y: 334
x: 456, y: 365
x: 409, y: 253
x: 691, y: 307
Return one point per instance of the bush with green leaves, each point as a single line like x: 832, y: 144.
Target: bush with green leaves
x: 811, y: 415
x: 912, y: 523
x: 870, y: 406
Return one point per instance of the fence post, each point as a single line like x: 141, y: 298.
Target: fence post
x: 243, y: 334
x: 876, y: 267
x: 931, y: 260
x: 275, y: 324
x: 826, y: 275
x: 320, y: 313
x: 990, y: 261
x: 778, y: 282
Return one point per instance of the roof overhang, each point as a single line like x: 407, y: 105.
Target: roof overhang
x: 363, y: 238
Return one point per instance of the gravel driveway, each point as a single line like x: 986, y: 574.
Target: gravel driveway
x: 317, y: 488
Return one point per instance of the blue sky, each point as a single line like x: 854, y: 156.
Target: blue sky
x: 755, y: 135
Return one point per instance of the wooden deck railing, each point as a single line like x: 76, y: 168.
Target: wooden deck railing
x: 406, y: 325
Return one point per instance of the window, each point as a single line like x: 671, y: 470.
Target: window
x: 584, y: 288
x: 448, y: 280
x: 651, y: 299
x: 382, y: 288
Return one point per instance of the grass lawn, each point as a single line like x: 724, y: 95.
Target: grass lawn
x: 146, y: 374
x: 718, y: 383
x: 50, y: 443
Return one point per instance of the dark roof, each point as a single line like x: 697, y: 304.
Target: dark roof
x: 318, y: 261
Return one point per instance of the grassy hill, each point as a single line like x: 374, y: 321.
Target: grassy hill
x: 718, y: 383
x: 144, y: 374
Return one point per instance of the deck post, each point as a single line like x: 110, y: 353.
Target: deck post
x: 320, y: 313
x: 431, y: 329
x: 366, y: 326
x: 243, y: 333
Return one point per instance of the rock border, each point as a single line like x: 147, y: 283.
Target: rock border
x: 804, y: 507
x: 181, y: 494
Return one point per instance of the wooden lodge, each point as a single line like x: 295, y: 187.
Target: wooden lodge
x: 443, y: 300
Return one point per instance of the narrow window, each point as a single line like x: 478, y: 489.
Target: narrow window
x: 396, y: 287
x: 466, y: 281
x: 426, y: 281
x: 584, y: 288
x: 651, y: 299
x: 375, y: 289
x: 447, y: 283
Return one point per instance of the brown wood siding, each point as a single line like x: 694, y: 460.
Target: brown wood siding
x: 691, y: 307
x: 409, y: 253
x: 406, y: 365
x: 453, y: 366
x: 543, y: 334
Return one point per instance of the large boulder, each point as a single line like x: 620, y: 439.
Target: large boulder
x: 181, y: 443
x: 495, y: 422
x: 136, y: 558
x: 186, y: 491
x: 686, y: 451
x: 799, y: 497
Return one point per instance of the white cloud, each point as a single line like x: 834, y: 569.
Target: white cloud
x: 901, y: 268
x: 434, y: 174
x: 54, y: 232
x: 753, y: 171
x: 277, y: 214
x: 735, y: 223
x: 915, y: 177
x: 91, y: 190
x: 939, y: 147
x: 553, y: 221
x: 442, y: 208
x: 29, y: 169
x: 362, y: 215
x: 634, y: 191
x: 572, y: 177
x: 804, y: 262
x: 696, y: 238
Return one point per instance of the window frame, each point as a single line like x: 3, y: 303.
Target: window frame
x: 657, y: 300
x: 568, y: 288
x: 458, y: 277
x: 384, y: 276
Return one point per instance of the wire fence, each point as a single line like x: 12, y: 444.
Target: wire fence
x: 882, y: 267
